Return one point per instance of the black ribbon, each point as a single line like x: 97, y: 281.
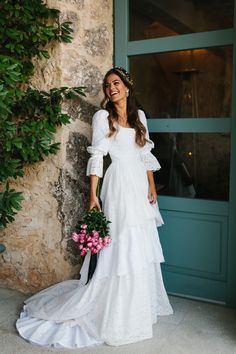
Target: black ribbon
x: 92, y: 266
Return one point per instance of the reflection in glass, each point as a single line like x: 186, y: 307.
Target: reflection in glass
x: 154, y: 19
x: 190, y: 83
x: 193, y: 165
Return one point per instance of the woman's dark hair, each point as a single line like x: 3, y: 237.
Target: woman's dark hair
x: 132, y: 109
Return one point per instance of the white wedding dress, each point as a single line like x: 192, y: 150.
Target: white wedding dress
x: 126, y: 294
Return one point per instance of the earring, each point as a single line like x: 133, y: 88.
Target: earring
x: 127, y: 93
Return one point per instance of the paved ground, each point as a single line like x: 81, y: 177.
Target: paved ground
x: 195, y: 328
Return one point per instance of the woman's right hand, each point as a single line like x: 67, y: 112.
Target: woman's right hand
x: 94, y: 203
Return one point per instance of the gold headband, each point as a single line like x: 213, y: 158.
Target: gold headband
x: 124, y: 74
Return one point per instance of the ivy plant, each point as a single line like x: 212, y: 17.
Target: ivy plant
x: 28, y: 117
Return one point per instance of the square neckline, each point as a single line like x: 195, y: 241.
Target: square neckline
x: 124, y: 127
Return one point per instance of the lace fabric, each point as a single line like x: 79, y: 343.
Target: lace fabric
x: 95, y: 165
x: 109, y: 317
x: 100, y: 144
x: 150, y: 161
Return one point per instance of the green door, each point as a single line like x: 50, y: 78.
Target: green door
x: 181, y: 56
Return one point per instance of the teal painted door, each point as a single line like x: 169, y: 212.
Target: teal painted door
x: 182, y: 59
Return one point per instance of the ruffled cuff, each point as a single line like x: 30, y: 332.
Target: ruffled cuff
x: 150, y: 161
x: 95, y: 165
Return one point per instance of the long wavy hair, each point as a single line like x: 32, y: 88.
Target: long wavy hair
x: 132, y: 109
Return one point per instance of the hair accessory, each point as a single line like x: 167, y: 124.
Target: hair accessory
x: 124, y: 74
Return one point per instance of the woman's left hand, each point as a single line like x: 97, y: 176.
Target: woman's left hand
x: 152, y: 194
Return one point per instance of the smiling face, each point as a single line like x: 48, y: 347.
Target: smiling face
x: 115, y: 89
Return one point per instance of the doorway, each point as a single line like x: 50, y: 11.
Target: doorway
x: 181, y: 56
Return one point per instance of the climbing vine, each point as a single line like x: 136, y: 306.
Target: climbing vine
x: 28, y: 117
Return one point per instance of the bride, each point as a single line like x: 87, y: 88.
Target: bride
x: 126, y: 293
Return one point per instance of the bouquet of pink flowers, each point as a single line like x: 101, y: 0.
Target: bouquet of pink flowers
x: 92, y: 232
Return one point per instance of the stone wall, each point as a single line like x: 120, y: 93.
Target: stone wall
x: 38, y: 250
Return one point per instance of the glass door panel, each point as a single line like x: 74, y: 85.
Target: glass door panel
x: 154, y: 19
x: 191, y: 83
x: 194, y: 165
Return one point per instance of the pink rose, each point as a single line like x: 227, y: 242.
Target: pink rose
x: 106, y: 241
x: 84, y: 226
x: 95, y: 233
x: 75, y: 237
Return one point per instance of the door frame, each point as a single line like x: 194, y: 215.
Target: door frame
x: 123, y: 49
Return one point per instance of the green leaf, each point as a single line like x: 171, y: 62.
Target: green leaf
x: 10, y: 202
x: 45, y: 54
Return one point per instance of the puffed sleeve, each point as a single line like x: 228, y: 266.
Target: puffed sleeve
x: 149, y: 160
x: 100, y: 143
